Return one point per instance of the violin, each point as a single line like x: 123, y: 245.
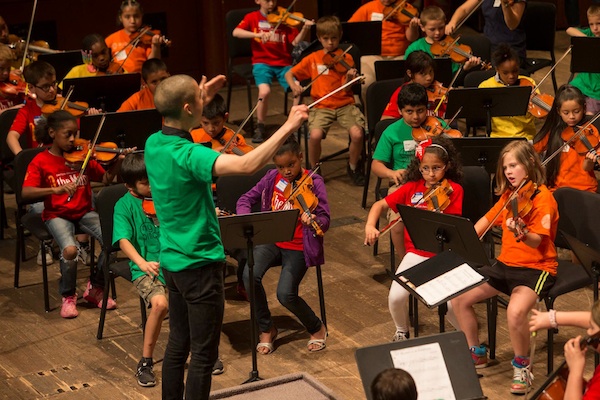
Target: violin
x: 76, y: 108
x: 540, y: 104
x: 437, y: 196
x: 301, y: 197
x: 402, y: 12
x: 145, y: 34
x: 230, y: 146
x: 149, y: 210
x: 433, y: 127
x: 15, y: 86
x: 585, y: 140
x: 459, y: 53
x: 104, y: 153
x: 282, y: 16
x: 335, y: 60
x: 520, y: 205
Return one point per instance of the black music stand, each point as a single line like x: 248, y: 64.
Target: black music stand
x: 493, y: 102
x: 107, y: 92
x: 62, y: 62
x: 455, y: 351
x: 249, y: 230
x: 393, y: 69
x: 581, y: 55
x: 126, y: 129
x: 482, y: 151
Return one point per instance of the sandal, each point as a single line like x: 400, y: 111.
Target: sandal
x: 320, y: 343
x: 267, y: 345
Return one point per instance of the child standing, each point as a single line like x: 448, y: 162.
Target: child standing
x: 339, y: 107
x: 526, y: 267
x: 569, y: 168
x: 50, y: 178
x: 131, y: 58
x: 506, y: 61
x: 154, y: 71
x: 271, y: 55
x: 589, y: 83
x: 303, y: 251
x: 435, y: 161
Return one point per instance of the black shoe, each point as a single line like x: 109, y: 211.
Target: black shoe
x: 259, y: 133
x: 357, y: 176
x: 218, y: 368
x: 145, y: 374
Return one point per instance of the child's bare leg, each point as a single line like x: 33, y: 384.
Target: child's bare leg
x: 522, y: 300
x: 264, y: 90
x: 465, y: 314
x: 356, y: 145
x: 314, y: 146
x: 154, y: 323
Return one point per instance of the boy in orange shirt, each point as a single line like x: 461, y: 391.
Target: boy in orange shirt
x: 339, y: 107
x: 154, y: 71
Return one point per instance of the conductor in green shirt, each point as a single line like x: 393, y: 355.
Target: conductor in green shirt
x: 192, y: 256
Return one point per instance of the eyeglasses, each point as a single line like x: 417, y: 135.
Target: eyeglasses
x: 46, y: 88
x: 436, y: 169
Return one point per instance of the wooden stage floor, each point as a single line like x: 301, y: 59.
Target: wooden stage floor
x: 45, y: 356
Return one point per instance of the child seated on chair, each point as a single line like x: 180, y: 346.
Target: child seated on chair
x: 328, y: 75
x: 154, y: 71
x: 67, y: 199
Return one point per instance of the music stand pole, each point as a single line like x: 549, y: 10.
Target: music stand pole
x: 249, y: 235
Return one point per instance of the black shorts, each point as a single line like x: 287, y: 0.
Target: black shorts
x: 506, y: 279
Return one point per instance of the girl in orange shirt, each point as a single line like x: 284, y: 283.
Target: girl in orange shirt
x: 526, y: 267
x: 130, y: 16
x: 571, y: 168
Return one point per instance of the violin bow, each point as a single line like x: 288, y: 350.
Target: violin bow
x: 479, y: 3
x: 88, y: 155
x: 287, y: 11
x: 344, y: 86
x: 449, y: 87
x: 552, y: 69
x: 228, y: 143
x: 575, y: 135
x: 533, y: 346
x: 133, y: 42
x: 328, y: 67
x: 396, y: 7
x: 66, y: 98
x: 28, y: 35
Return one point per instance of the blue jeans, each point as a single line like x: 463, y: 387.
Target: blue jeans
x: 196, y: 304
x: 63, y: 231
x: 293, y: 269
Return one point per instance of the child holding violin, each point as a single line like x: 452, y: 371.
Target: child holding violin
x: 506, y: 62
x: 273, y: 192
x: 327, y: 75
x: 154, y: 71
x: 526, y: 267
x: 67, y: 199
x: 271, y: 54
x: 432, y: 177
x: 569, y: 160
x: 12, y: 86
x: 587, y: 82
x: 122, y: 42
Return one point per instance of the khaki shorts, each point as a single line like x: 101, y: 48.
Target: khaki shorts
x: 148, y: 289
x: 347, y: 116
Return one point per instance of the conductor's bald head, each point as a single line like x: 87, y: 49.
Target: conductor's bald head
x: 173, y: 93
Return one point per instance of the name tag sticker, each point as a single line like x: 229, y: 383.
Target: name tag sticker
x: 496, y: 3
x: 376, y: 16
x: 120, y: 56
x: 281, y: 185
x: 264, y: 25
x: 410, y: 145
x: 416, y: 197
x: 322, y: 69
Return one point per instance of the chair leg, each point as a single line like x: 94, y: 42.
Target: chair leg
x: 249, y: 92
x: 492, y: 316
x: 363, y: 203
x: 321, y: 295
x: 107, y: 284
x: 18, y: 245
x: 551, y: 332
x: 3, y: 219
x: 416, y: 316
x: 45, y: 277
x: 143, y: 314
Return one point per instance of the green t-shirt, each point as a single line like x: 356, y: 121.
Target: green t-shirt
x: 132, y: 224
x: 180, y: 174
x: 396, y: 145
x: 421, y: 44
x: 587, y: 82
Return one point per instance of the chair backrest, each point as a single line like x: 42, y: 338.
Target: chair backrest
x: 477, y: 198
x: 237, y: 47
x: 473, y: 79
x: 6, y: 119
x: 231, y: 188
x: 381, y: 126
x: 21, y: 163
x: 578, y: 211
x: 105, y: 206
x: 540, y: 25
x: 480, y: 45
x: 378, y: 96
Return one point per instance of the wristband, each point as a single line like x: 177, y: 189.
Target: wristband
x: 552, y: 318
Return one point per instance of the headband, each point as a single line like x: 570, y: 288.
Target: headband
x: 422, y: 147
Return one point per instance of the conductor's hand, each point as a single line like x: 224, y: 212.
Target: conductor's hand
x: 298, y: 114
x: 450, y: 27
x: 210, y: 88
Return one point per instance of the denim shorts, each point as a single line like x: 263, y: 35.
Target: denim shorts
x: 264, y: 73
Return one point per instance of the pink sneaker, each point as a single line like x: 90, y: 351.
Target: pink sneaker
x: 69, y: 307
x: 94, y: 295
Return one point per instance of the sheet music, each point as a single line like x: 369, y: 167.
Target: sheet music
x: 448, y: 284
x: 426, y: 365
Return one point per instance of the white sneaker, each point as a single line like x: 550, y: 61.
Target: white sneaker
x: 400, y: 336
x: 49, y: 259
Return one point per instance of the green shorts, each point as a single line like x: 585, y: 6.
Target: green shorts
x: 347, y: 116
x: 148, y: 288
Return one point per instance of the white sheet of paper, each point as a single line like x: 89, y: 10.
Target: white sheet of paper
x: 426, y: 365
x: 449, y: 283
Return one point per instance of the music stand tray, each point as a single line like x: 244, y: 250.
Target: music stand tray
x: 107, y: 92
x: 393, y: 69
x: 582, y: 59
x: 482, y: 151
x: 126, y: 129
x: 62, y: 62
x: 456, y: 356
x: 492, y: 102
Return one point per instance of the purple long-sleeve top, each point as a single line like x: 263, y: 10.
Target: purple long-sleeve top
x: 263, y: 192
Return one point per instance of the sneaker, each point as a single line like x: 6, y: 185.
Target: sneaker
x: 357, y: 176
x: 400, y: 336
x: 49, y: 258
x: 145, y: 374
x: 95, y: 295
x: 259, y: 133
x: 479, y: 356
x: 218, y: 368
x: 69, y: 307
x: 522, y: 380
